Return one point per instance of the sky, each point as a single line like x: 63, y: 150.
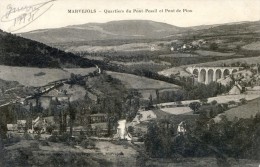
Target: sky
x: 26, y: 15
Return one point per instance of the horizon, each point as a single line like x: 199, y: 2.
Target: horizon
x: 240, y: 22
x: 198, y: 13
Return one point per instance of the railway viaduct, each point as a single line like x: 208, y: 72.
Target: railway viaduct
x: 207, y: 75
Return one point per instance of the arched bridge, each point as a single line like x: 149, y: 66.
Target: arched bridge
x: 210, y: 74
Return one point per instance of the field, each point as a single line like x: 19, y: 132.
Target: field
x: 141, y: 83
x: 143, y: 116
x: 200, y: 162
x: 174, y: 71
x: 252, y: 46
x: 177, y: 110
x: 244, y: 111
x: 144, y: 65
x: 125, y: 48
x: 249, y: 60
x: 219, y: 99
x: 29, y: 76
x: 176, y: 55
x: 212, y: 53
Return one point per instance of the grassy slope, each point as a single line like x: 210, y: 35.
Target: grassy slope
x: 137, y: 82
x: 125, y: 29
x: 244, y: 111
x: 249, y: 60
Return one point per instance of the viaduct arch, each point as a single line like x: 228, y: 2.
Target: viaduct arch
x: 207, y: 75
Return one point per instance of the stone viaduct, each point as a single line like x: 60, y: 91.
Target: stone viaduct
x: 210, y: 74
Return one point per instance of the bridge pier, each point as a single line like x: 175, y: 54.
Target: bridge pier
x: 207, y: 75
x: 214, y: 76
x: 199, y: 76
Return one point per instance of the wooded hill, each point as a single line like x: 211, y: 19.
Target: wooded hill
x: 18, y: 51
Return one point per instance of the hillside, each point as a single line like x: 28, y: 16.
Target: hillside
x: 232, y: 29
x: 18, y: 51
x: 126, y: 29
x: 245, y: 111
x: 146, y: 86
x: 36, y: 77
x: 138, y: 29
x: 141, y: 83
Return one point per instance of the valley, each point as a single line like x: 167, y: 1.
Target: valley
x: 131, y: 93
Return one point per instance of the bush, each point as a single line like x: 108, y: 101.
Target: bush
x: 84, y: 143
x: 71, y: 142
x: 55, y: 133
x: 44, y: 143
x: 37, y: 137
x: 27, y: 136
x: 92, y: 144
x: 64, y: 137
x: 14, y: 139
x: 87, y: 143
x: 177, y: 157
x: 53, y: 138
x: 213, y: 46
x: 81, y: 137
x: 34, y: 146
x: 243, y: 101
x: 204, y: 100
x: 130, y: 129
x: 50, y: 128
x: 232, y: 102
x: 214, y: 102
x: 195, y: 106
x: 86, y: 162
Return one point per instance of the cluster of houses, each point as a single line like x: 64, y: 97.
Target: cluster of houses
x: 39, y: 124
x: 98, y: 126
x: 187, y: 47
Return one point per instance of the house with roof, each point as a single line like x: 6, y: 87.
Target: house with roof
x: 237, y: 89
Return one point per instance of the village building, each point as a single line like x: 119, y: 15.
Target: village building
x: 21, y: 125
x: 98, y: 118
x: 122, y: 132
x: 236, y: 90
x: 12, y: 127
x: 181, y: 129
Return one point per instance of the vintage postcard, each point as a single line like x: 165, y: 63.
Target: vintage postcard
x: 129, y: 83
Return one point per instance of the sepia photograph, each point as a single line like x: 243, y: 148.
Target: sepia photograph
x: 130, y: 83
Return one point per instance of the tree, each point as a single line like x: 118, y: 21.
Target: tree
x: 204, y: 101
x: 213, y: 46
x: 72, y: 115
x: 150, y: 101
x: 232, y: 102
x: 195, y: 106
x: 130, y: 129
x: 157, y: 96
x: 214, y: 102
x: 243, y: 101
